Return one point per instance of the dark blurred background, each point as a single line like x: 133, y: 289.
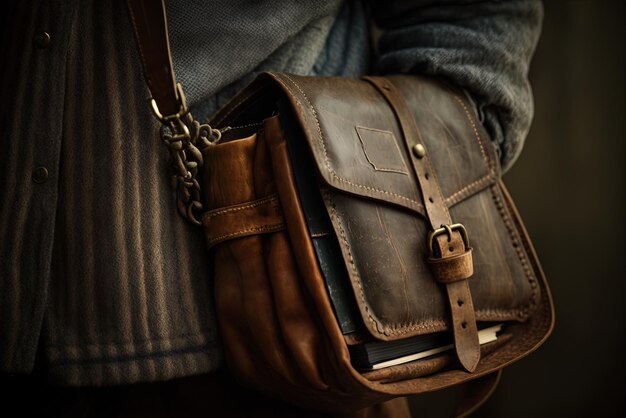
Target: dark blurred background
x: 569, y: 187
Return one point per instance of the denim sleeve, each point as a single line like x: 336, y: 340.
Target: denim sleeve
x: 482, y: 46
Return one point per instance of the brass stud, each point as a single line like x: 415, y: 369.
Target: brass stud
x: 42, y: 40
x: 40, y: 175
x: 419, y: 151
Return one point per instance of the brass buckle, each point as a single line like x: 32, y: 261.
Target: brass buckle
x: 447, y: 229
x: 178, y: 115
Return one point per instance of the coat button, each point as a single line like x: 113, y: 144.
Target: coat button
x: 40, y: 175
x: 42, y: 40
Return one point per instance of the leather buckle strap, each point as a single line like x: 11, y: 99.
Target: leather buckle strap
x: 452, y: 265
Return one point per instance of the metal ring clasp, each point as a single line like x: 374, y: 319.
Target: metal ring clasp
x: 181, y: 112
x: 447, y: 229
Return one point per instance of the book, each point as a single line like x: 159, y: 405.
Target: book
x: 320, y: 228
x: 377, y: 355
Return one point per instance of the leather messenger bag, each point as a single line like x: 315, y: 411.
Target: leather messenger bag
x: 364, y: 245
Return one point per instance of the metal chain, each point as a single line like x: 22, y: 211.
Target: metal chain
x: 185, y: 138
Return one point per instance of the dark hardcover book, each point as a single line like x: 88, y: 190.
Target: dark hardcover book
x: 320, y: 228
x: 380, y: 354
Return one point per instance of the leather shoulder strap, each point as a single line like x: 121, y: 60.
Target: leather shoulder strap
x: 150, y: 28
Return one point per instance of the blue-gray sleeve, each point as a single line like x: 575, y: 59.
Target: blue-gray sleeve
x: 482, y: 46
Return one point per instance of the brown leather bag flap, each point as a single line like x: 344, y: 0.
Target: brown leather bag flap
x: 357, y: 141
x: 374, y: 201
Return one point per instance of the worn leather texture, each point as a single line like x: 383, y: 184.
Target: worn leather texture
x: 450, y: 255
x: 278, y: 327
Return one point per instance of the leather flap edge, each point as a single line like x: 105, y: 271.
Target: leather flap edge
x: 357, y: 142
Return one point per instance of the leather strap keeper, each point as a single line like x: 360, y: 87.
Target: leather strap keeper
x: 452, y: 269
x: 260, y: 216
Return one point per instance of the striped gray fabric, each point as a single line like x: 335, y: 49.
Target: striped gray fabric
x: 129, y: 296
x: 100, y: 276
x: 29, y: 138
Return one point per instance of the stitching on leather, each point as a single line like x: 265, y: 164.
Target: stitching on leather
x: 408, y: 327
x: 405, y: 328
x: 367, y: 156
x: 547, y: 319
x: 342, y: 236
x: 458, y: 195
x: 450, y: 200
x: 327, y: 161
x: 476, y: 134
x: 517, y: 243
x: 253, y: 204
x: 270, y: 228
x: 491, y: 314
